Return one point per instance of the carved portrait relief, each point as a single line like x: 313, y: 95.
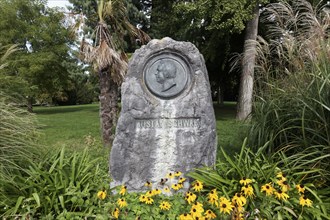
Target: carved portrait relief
x: 166, y: 76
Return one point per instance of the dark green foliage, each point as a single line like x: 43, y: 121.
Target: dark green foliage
x: 262, y: 168
x: 37, y: 68
x: 61, y: 185
x: 292, y: 108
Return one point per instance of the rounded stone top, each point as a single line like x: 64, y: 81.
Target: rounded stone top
x: 166, y: 75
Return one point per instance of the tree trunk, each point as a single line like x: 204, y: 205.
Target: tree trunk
x: 220, y: 94
x: 244, y: 105
x: 29, y: 104
x: 109, y: 94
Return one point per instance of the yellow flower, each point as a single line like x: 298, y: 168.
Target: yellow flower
x: 181, y: 180
x: 148, y: 184
x: 213, y: 201
x: 170, y: 175
x: 102, y: 194
x: 300, y: 188
x: 177, y: 173
x: 304, y: 201
x: 150, y: 193
x: 198, y: 206
x: 245, y: 181
x: 281, y: 195
x: 239, y: 199
x: 190, y: 197
x: 209, y: 214
x: 165, y: 205
x: 283, y: 184
x: 121, y: 202
x: 143, y: 198
x: 238, y: 216
x: 115, y: 213
x: 197, y: 210
x: 166, y: 190
x: 185, y: 216
x: 225, y: 205
x: 248, y: 190
x: 213, y: 194
x: 123, y: 190
x: 177, y: 186
x: 268, y: 189
x: 149, y: 201
x: 198, y: 186
x: 156, y: 191
x: 281, y: 175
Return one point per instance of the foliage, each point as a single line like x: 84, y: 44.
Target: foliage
x: 283, y: 174
x: 292, y: 110
x: 43, y: 43
x: 59, y: 185
x: 18, y: 133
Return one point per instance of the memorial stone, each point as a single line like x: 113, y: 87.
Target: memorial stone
x: 167, y: 120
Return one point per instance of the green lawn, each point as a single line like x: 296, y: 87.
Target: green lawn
x: 78, y: 126
x: 69, y: 126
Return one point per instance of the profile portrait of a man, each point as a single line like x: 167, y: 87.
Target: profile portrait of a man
x: 166, y: 74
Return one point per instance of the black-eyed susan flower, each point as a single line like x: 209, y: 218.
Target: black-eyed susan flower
x: 185, y: 216
x: 300, y: 188
x: 170, y: 175
x: 268, y: 189
x: 239, y: 199
x: 281, y: 176
x: 143, y: 198
x: 283, y: 184
x: 225, y: 205
x: 166, y: 189
x: 197, y: 210
x: 213, y: 201
x: 148, y: 184
x: 150, y: 193
x: 209, y: 214
x: 102, y: 194
x: 177, y: 186
x: 213, y: 194
x: 304, y: 201
x: 181, y: 180
x: 115, y: 213
x: 149, y: 201
x: 121, y: 202
x: 156, y: 191
x: 123, y: 190
x: 281, y: 195
x: 190, y: 197
x: 198, y: 206
x: 247, y: 190
x: 238, y: 216
x: 198, y: 186
x: 245, y: 181
x: 165, y: 205
x: 177, y: 173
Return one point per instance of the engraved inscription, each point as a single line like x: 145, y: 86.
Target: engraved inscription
x: 167, y: 123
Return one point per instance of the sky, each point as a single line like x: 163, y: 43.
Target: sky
x: 58, y: 3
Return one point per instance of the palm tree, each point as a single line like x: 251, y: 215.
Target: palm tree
x: 109, y: 60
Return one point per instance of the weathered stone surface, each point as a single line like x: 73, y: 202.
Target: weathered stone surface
x: 167, y: 120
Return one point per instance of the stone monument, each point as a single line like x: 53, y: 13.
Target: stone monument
x: 167, y: 120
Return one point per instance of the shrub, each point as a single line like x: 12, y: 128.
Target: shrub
x: 59, y: 186
x: 270, y: 185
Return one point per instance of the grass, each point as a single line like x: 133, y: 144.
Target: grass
x: 78, y: 126
x: 68, y: 125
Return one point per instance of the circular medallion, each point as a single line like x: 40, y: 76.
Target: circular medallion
x: 166, y: 76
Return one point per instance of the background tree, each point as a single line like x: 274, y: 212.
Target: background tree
x: 108, y: 57
x: 43, y: 42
